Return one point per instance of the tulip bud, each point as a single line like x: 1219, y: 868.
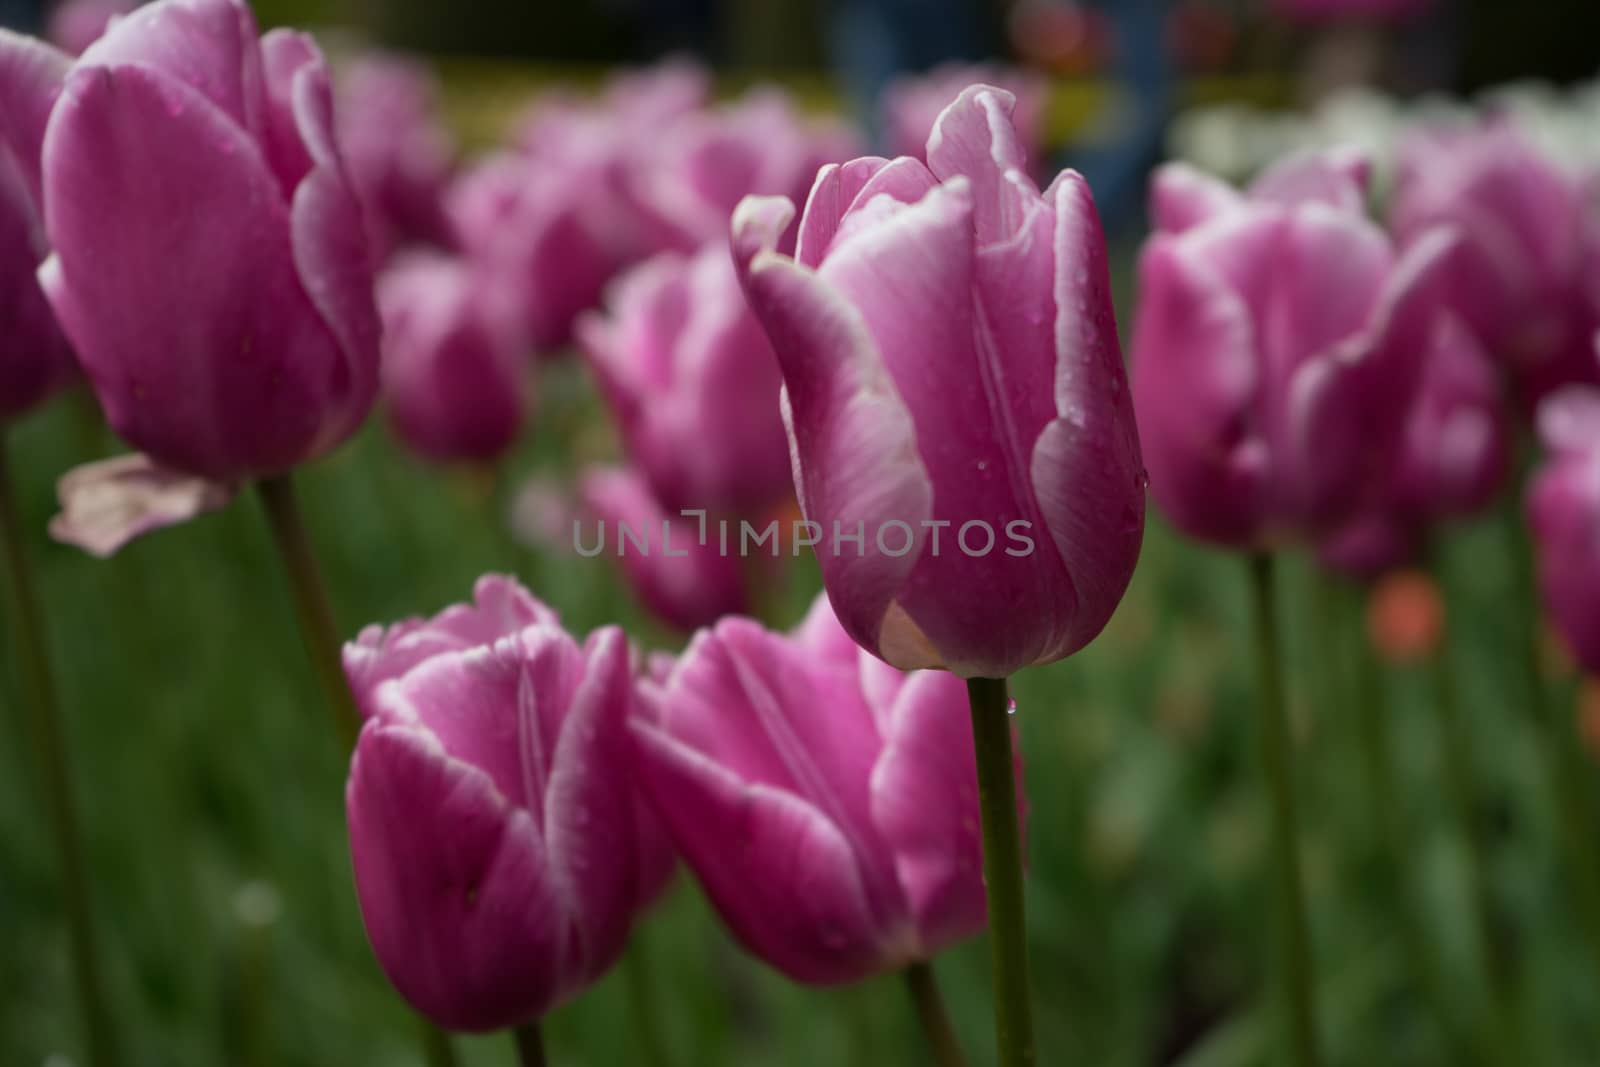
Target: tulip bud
x: 496, y: 837
x: 956, y: 398
x: 210, y: 264
x: 1563, y: 505
x: 693, y: 385
x: 827, y: 802
x: 452, y: 360
x: 36, y: 359
x: 1277, y: 349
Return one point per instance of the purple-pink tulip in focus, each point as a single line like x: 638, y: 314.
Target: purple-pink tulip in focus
x: 912, y: 105
x: 76, y: 24
x: 1450, y: 462
x: 1278, y: 345
x: 210, y: 264
x: 955, y: 396
x: 686, y: 179
x: 539, y: 230
x: 827, y: 802
x: 453, y: 370
x: 693, y: 384
x: 36, y: 360
x: 1524, y: 274
x: 681, y: 581
x: 494, y: 827
x: 399, y: 154
x: 1563, y: 506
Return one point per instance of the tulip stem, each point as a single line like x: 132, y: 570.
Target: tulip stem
x: 45, y: 725
x: 924, y: 987
x: 530, y: 1045
x: 1294, y: 941
x: 1002, y: 870
x: 320, y: 634
x: 642, y: 999
x: 317, y: 628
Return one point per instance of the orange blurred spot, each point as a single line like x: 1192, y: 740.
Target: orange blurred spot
x: 1405, y: 616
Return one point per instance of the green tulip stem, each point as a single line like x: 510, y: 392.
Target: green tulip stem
x: 530, y: 1046
x: 935, y: 1017
x: 43, y: 713
x: 1002, y: 871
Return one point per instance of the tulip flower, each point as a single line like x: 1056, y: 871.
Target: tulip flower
x: 685, y: 180
x: 452, y: 363
x: 37, y: 359
x: 1523, y: 274
x: 681, y: 580
x: 826, y: 801
x: 1563, y: 507
x: 912, y: 105
x: 1277, y: 349
x: 494, y: 828
x: 693, y: 384
x: 77, y: 24
x: 1450, y: 462
x: 400, y: 157
x: 209, y: 263
x: 955, y: 396
x: 538, y: 230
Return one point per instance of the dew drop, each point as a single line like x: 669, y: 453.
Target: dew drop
x: 1011, y: 706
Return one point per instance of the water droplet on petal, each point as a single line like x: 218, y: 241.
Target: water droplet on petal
x: 1011, y: 706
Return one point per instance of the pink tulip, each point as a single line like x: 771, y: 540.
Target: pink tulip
x: 1563, y: 512
x: 496, y: 837
x: 77, y: 24
x: 36, y: 360
x: 539, y: 230
x: 210, y: 264
x: 1450, y: 462
x: 452, y: 364
x: 1524, y: 274
x: 693, y: 384
x: 681, y: 581
x: 912, y: 105
x: 684, y: 180
x: 826, y: 801
x: 955, y: 395
x: 1277, y: 349
x: 399, y: 155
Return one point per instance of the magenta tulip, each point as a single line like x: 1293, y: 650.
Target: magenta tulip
x: 956, y: 398
x: 679, y: 580
x: 494, y: 828
x: 539, y: 230
x: 912, y: 105
x: 77, y: 24
x: 1277, y: 349
x: 452, y: 360
x: 826, y: 801
x: 1563, y: 512
x: 693, y: 384
x: 210, y: 264
x: 399, y: 155
x: 1524, y: 274
x: 684, y: 180
x: 37, y: 359
x: 1450, y: 462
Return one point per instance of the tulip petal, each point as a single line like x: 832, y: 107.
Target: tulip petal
x: 106, y: 504
x: 925, y: 801
x: 847, y: 426
x: 209, y: 45
x: 455, y: 891
x: 31, y: 76
x: 284, y: 53
x: 974, y: 139
x: 589, y: 818
x: 778, y: 872
x: 1568, y: 421
x: 1335, y: 178
x: 1182, y: 197
x: 836, y: 188
x: 160, y: 205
